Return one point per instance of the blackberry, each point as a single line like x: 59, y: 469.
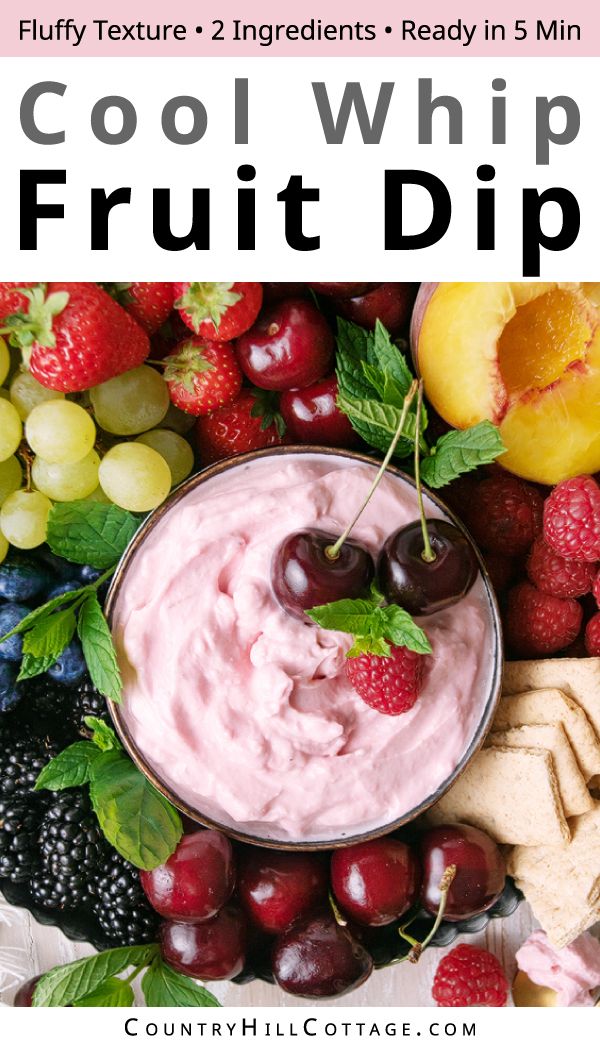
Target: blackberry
x: 19, y: 824
x: 21, y: 761
x: 72, y: 850
x: 86, y: 701
x: 120, y: 904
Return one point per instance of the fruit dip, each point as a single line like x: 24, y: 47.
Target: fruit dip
x: 572, y: 972
x: 246, y: 713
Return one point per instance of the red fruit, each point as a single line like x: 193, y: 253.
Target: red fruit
x: 217, y: 310
x: 501, y: 570
x: 480, y: 870
x: 150, y: 302
x: 375, y: 882
x: 196, y: 881
x: 291, y: 345
x: 210, y: 951
x: 11, y: 300
x: 389, y: 684
x: 553, y: 574
x: 343, y: 289
x: 318, y: 959
x: 277, y: 888
x: 81, y: 337
x: 241, y: 426
x: 538, y: 624
x: 273, y: 291
x: 312, y: 416
x: 202, y: 376
x: 389, y: 303
x: 470, y: 976
x: 572, y: 519
x: 596, y: 587
x: 592, y: 636
x: 505, y: 515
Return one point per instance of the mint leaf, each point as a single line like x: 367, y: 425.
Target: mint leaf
x: 460, y: 451
x: 162, y: 986
x: 43, y: 610
x: 377, y: 423
x: 98, y: 649
x: 50, y: 635
x: 103, y: 736
x: 68, y: 984
x: 399, y: 627
x: 34, y: 665
x: 138, y: 821
x: 372, y: 625
x: 352, y: 351
x: 350, y: 615
x: 90, y: 533
x: 112, y: 992
x: 390, y: 358
x: 69, y: 769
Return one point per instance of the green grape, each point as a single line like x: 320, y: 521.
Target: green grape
x: 11, y: 430
x: 4, y: 360
x: 98, y: 495
x: 174, y: 449
x: 4, y: 393
x: 60, y: 431
x: 26, y: 393
x: 3, y: 547
x: 66, y: 481
x: 134, y: 476
x: 11, y: 477
x: 24, y: 519
x: 177, y: 420
x: 132, y: 402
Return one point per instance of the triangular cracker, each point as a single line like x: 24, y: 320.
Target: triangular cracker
x: 579, y: 679
x: 552, y: 705
x: 575, y: 796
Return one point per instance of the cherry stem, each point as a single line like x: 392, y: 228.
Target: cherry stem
x: 418, y: 947
x: 428, y: 555
x: 339, y: 918
x: 333, y: 551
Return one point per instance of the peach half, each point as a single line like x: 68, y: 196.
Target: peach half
x: 526, y: 357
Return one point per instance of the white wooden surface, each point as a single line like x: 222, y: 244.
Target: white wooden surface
x: 26, y: 948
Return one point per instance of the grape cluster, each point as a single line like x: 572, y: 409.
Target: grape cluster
x: 120, y: 442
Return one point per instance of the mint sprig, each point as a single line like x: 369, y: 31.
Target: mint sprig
x: 460, y: 451
x: 373, y: 626
x: 106, y: 980
x: 139, y: 822
x: 90, y: 533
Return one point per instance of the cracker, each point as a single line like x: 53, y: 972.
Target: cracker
x: 575, y: 796
x: 579, y: 679
x: 552, y: 705
x: 564, y: 921
x: 512, y: 794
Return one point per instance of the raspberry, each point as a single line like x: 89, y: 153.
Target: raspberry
x: 539, y: 624
x: 506, y: 515
x: 553, y: 574
x: 501, y: 571
x: 596, y: 588
x: 469, y: 976
x: 572, y: 519
x: 592, y: 636
x: 389, y: 684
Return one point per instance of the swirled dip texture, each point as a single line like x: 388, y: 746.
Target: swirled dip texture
x: 246, y: 713
x: 572, y: 972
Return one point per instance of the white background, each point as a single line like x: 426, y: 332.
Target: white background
x: 286, y: 138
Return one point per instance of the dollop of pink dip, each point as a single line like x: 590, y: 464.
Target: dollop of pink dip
x: 248, y: 713
x: 572, y: 972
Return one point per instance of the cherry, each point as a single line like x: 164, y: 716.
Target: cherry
x: 342, y: 289
x: 211, y: 951
x: 275, y: 290
x: 291, y: 345
x: 24, y: 993
x: 312, y: 416
x: 196, y: 881
x: 425, y: 586
x: 316, y: 958
x: 304, y: 575
x: 389, y: 303
x: 480, y: 870
x: 375, y: 882
x: 276, y: 888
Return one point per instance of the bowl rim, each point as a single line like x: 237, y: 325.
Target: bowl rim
x: 117, y: 710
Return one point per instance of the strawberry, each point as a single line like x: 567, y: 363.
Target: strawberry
x: 75, y: 336
x: 390, y: 684
x: 150, y: 302
x: 217, y: 310
x: 202, y: 375
x: 469, y: 976
x: 242, y: 426
x: 12, y: 299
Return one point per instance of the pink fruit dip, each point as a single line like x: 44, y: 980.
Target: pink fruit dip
x: 246, y: 713
x: 572, y: 972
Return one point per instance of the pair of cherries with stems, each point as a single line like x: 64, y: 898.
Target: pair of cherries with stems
x: 423, y: 567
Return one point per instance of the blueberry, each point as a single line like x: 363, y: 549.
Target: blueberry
x: 88, y: 574
x: 21, y: 578
x: 70, y: 666
x: 62, y: 588
x: 10, y: 690
x: 10, y: 615
x: 59, y: 567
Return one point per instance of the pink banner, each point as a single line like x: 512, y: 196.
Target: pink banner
x: 269, y: 28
